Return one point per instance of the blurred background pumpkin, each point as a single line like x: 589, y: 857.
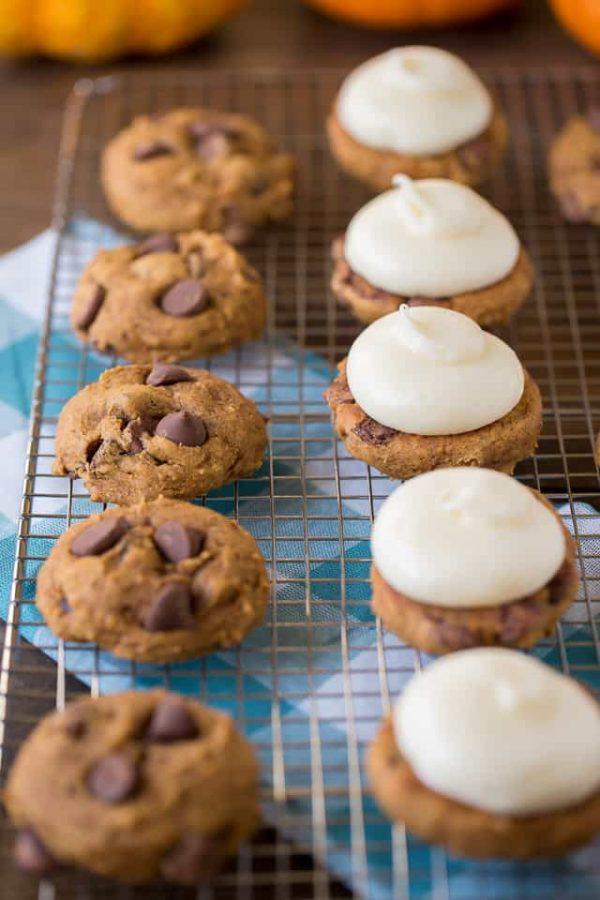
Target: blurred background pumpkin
x: 411, y: 13
x: 98, y: 30
x: 582, y: 19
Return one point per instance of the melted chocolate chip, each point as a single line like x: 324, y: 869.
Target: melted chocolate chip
x: 171, y: 609
x: 31, y: 855
x: 176, y: 542
x: 65, y: 606
x: 183, y: 428
x: 152, y: 150
x: 372, y: 432
x: 92, y: 448
x: 92, y: 307
x: 259, y: 185
x: 171, y: 722
x: 164, y: 373
x: 99, y: 538
x: 75, y: 726
x: 135, y: 431
x: 593, y: 117
x: 213, y: 145
x: 114, y: 779
x: 158, y: 243
x: 339, y: 392
x: 195, y: 858
x: 185, y: 298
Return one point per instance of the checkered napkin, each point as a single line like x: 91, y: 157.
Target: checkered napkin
x: 306, y: 686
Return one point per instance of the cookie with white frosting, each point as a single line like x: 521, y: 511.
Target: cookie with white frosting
x: 418, y: 110
x: 431, y: 242
x: 425, y: 388
x: 491, y: 754
x: 470, y: 557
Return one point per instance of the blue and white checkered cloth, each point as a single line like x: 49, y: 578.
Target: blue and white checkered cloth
x: 306, y: 691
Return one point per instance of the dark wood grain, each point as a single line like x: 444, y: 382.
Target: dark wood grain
x: 269, y: 33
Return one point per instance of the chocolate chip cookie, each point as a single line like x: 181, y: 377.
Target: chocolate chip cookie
x: 574, y: 168
x: 470, y: 163
x: 398, y: 454
x: 135, y: 786
x: 162, y: 581
x: 140, y: 432
x: 491, y: 305
x: 197, y: 168
x: 169, y: 297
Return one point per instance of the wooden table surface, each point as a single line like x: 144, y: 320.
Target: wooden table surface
x: 269, y: 33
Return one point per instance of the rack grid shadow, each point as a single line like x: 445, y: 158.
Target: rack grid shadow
x: 311, y: 685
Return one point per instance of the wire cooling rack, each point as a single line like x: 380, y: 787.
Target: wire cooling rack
x: 311, y: 685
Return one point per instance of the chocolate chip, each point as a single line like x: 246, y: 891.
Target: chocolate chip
x: 31, y: 855
x: 259, y: 185
x: 65, y: 606
x: 235, y: 230
x: 171, y: 609
x: 213, y: 145
x: 158, y: 243
x: 164, y: 373
x: 75, y: 726
x: 171, y: 722
x: 473, y: 153
x: 185, y: 298
x: 114, y: 779
x: 594, y: 117
x: 455, y: 637
x: 92, y: 307
x: 176, y: 542
x: 183, y: 428
x: 195, y: 858
x: 135, y: 431
x: 99, y: 538
x: 92, y: 448
x: 151, y: 150
x: 372, y: 432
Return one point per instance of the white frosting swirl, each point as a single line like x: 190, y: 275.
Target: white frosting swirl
x: 466, y: 537
x: 429, y: 370
x: 415, y: 100
x: 430, y: 238
x: 500, y: 731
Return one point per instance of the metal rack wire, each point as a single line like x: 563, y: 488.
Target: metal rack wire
x: 311, y: 686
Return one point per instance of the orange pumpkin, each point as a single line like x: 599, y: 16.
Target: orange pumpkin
x: 410, y: 13
x: 581, y: 19
x: 98, y: 30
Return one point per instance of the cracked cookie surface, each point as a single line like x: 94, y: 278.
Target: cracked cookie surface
x: 140, y: 432
x: 170, y: 297
x: 499, y: 445
x: 197, y: 168
x: 574, y: 168
x: 135, y: 786
x: 161, y: 581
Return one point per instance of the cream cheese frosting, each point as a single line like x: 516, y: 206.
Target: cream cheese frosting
x: 430, y: 238
x: 466, y: 538
x: 416, y: 100
x: 429, y: 370
x: 500, y: 731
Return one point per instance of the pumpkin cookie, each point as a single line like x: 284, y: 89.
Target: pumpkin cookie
x: 491, y: 754
x: 468, y: 557
x: 141, y: 432
x: 425, y: 388
x: 431, y: 242
x: 197, y: 168
x: 170, y: 297
x: 574, y: 168
x: 420, y: 111
x: 135, y: 786
x: 161, y: 581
